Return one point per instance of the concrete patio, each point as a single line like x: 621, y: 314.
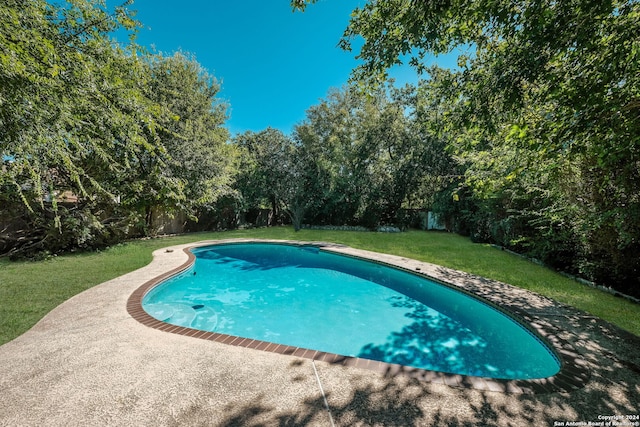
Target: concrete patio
x: 89, y: 362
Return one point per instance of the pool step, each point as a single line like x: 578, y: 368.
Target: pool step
x: 197, y: 316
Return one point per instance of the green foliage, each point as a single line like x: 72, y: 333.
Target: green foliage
x: 543, y: 114
x: 83, y: 117
x: 371, y: 156
x: 357, y: 159
x: 198, y: 165
x: 278, y: 173
x: 565, y: 126
x: 267, y: 168
x: 71, y: 113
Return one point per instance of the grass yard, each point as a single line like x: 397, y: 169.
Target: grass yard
x: 29, y: 290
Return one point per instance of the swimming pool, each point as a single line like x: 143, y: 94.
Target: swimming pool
x: 305, y: 297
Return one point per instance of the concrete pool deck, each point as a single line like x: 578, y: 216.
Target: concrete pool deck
x: 89, y: 362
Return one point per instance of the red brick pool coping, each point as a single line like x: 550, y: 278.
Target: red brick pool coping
x: 572, y: 375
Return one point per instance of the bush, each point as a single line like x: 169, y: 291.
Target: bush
x: 70, y: 227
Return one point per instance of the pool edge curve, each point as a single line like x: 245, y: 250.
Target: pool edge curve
x: 572, y: 374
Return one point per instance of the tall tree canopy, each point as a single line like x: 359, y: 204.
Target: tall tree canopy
x: 68, y: 96
x: 117, y: 128
x: 373, y: 155
x: 543, y: 111
x: 199, y: 164
x: 266, y: 164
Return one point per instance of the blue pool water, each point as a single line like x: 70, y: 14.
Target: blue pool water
x: 304, y: 297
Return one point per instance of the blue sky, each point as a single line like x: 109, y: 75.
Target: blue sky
x: 273, y: 64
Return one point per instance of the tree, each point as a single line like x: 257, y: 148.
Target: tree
x: 78, y: 118
x: 330, y: 135
x: 50, y: 74
x: 68, y: 99
x: 277, y: 172
x: 266, y: 167
x: 197, y: 165
x: 375, y: 153
x: 544, y: 109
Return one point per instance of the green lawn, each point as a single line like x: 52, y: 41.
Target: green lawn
x: 29, y: 290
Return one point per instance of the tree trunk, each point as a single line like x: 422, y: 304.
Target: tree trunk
x: 273, y: 219
x: 148, y: 220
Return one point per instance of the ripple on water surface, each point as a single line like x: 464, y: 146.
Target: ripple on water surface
x: 332, y: 303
